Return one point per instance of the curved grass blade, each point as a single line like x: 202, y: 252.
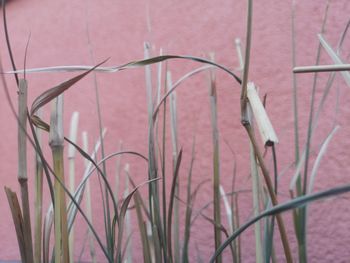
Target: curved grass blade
x: 88, y: 202
x: 8, y: 44
x: 146, y: 253
x: 122, y: 214
x: 222, y: 229
x: 171, y: 204
x: 17, y: 220
x: 47, y: 233
x: 175, y: 85
x: 292, y: 204
x: 80, y: 188
x: 38, y: 203
x: 319, y: 158
x: 335, y: 58
x: 189, y: 203
x: 52, y: 93
x: 130, y: 65
x: 215, y: 160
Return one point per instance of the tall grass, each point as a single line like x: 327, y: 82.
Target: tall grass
x: 158, y: 211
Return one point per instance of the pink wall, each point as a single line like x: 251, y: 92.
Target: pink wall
x: 118, y: 29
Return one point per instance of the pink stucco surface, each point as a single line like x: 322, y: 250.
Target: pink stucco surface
x: 117, y: 30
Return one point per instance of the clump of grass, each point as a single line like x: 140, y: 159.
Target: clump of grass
x: 158, y: 214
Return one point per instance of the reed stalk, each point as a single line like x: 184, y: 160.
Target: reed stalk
x: 88, y: 202
x: 216, y: 161
x: 71, y: 160
x: 256, y: 199
x: 174, y: 140
x: 38, y: 199
x: 22, y: 167
x: 60, y: 214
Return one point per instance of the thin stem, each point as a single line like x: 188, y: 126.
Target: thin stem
x: 270, y: 189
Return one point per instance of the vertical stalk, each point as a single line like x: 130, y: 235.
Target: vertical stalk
x: 60, y: 213
x: 106, y: 210
x: 128, y: 249
x: 270, y: 189
x: 154, y: 204
x: 246, y: 62
x: 88, y: 201
x: 302, y: 211
x: 22, y: 167
x: 38, y: 200
x: 174, y: 139
x: 71, y: 159
x: 256, y: 202
x: 216, y: 162
x: 295, y: 96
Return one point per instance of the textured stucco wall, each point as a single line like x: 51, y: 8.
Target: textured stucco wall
x: 118, y: 29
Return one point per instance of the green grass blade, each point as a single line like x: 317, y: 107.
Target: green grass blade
x: 171, y: 205
x: 174, y: 140
x: 216, y: 162
x: 292, y: 204
x: 122, y: 215
x: 319, y: 157
x: 146, y: 253
x: 302, y: 244
x: 128, y: 245
x: 189, y: 202
x: 38, y: 203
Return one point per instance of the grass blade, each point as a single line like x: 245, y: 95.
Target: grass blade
x: 335, y: 57
x: 130, y: 65
x: 172, y: 88
x: 38, y: 200
x: 246, y: 61
x: 171, y: 205
x: 88, y: 201
x: 189, y: 202
x: 128, y: 244
x: 146, y: 252
x: 52, y: 93
x: 122, y: 215
x: 321, y: 153
x: 216, y: 162
x: 174, y: 140
x: 71, y: 159
x: 302, y: 233
x: 292, y: 204
x: 255, y: 181
x: 17, y: 220
x: 47, y: 233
